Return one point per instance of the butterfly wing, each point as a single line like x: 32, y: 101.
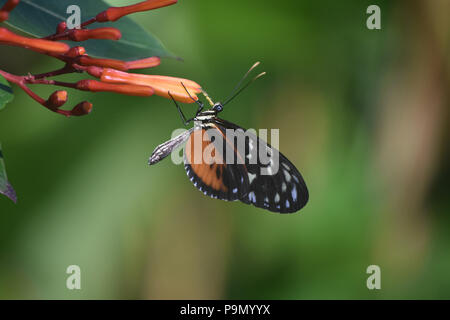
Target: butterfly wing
x: 163, y: 150
x: 275, y: 185
x: 204, y: 161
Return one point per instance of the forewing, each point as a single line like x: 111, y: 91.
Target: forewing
x: 204, y: 158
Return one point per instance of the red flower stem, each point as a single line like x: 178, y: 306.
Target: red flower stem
x: 20, y: 81
x: 62, y: 84
x: 32, y: 80
x: 64, y: 70
x: 64, y: 34
x: 86, y: 23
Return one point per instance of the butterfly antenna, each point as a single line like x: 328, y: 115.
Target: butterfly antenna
x: 242, y: 80
x: 243, y: 88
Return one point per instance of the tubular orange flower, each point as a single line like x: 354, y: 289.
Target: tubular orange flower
x: 9, y: 38
x: 128, y: 89
x: 143, y: 63
x: 99, y: 33
x: 95, y: 71
x: 119, y: 64
x: 161, y: 84
x: 109, y: 63
x: 115, y: 13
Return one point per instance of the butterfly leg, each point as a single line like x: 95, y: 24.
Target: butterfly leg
x: 183, y: 118
x: 200, y: 104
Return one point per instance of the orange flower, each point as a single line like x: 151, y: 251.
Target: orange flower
x: 143, y: 63
x: 119, y: 64
x: 99, y: 33
x: 161, y: 84
x: 9, y: 38
x: 115, y: 13
x: 110, y: 63
x: 128, y: 89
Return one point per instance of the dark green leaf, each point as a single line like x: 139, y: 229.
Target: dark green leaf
x: 5, y: 187
x: 6, y: 93
x: 40, y: 18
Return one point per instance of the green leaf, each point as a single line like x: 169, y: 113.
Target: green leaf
x: 6, y: 93
x: 5, y: 187
x: 40, y: 18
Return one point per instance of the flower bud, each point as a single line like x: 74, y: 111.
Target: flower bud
x: 10, y: 5
x: 76, y: 52
x: 4, y: 16
x: 81, y: 109
x: 56, y: 100
x: 62, y: 26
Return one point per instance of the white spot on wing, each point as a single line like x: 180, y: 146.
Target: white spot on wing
x: 283, y: 187
x: 294, y: 193
x: 287, y: 175
x: 277, y: 198
x: 251, y: 177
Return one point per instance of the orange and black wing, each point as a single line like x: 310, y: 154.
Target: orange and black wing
x: 274, y: 183
x: 205, y: 158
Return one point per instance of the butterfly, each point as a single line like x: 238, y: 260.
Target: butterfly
x: 227, y: 162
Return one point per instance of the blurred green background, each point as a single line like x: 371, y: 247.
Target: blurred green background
x: 362, y: 113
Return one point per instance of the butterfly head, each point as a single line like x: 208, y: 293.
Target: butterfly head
x: 218, y: 107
